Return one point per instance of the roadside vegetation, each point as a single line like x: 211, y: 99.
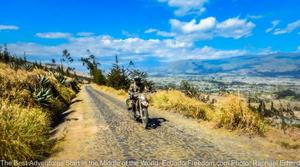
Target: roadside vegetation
x: 32, y: 99
x: 229, y: 110
x: 232, y: 113
x: 176, y: 101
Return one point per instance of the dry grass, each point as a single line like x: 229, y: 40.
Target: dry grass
x: 289, y: 145
x: 170, y: 101
x: 23, y: 132
x: 177, y: 101
x: 233, y: 113
x: 13, y: 84
x: 24, y: 124
x: 121, y: 94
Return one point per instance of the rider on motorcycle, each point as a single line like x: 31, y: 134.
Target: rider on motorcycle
x: 136, y: 87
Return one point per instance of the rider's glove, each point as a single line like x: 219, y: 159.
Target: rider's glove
x: 130, y: 95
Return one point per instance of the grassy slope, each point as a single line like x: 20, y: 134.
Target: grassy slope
x: 24, y: 123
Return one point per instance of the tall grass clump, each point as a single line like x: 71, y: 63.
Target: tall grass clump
x: 121, y: 94
x: 176, y: 101
x: 30, y: 101
x: 233, y: 113
x: 24, y: 132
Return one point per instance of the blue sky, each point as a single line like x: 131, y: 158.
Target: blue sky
x: 149, y: 31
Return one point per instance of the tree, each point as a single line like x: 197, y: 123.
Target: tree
x: 66, y: 57
x: 143, y: 76
x: 24, y: 57
x: 5, y: 54
x: 98, y: 76
x: 117, y: 77
x: 189, y: 89
x: 262, y: 107
x: 92, y: 65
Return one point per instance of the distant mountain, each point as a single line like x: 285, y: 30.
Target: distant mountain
x: 279, y: 64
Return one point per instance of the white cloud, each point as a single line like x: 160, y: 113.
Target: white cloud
x: 289, y: 28
x: 129, y: 34
x: 209, y: 28
x: 266, y: 51
x: 53, y: 35
x: 85, y: 34
x: 254, y: 16
x: 160, y: 33
x: 128, y: 48
x: 150, y: 30
x: 274, y: 25
x: 189, y: 27
x: 235, y: 28
x: 34, y: 49
x: 8, y: 27
x: 207, y: 52
x: 298, y: 48
x: 186, y: 7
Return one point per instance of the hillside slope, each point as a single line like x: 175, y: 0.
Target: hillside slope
x: 31, y: 99
x: 279, y: 64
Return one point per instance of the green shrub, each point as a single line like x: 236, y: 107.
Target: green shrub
x: 66, y: 93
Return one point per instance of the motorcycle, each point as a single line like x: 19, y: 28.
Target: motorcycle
x: 140, y: 109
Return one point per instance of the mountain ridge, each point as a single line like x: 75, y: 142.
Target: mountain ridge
x: 276, y: 64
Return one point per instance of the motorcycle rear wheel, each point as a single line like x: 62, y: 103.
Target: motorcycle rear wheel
x: 145, y: 118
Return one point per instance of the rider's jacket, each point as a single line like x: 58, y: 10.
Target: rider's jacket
x: 135, y: 88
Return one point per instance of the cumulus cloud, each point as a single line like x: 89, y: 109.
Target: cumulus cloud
x: 85, y: 34
x: 206, y: 24
x: 288, y: 29
x: 53, y: 35
x: 160, y: 33
x: 8, y: 27
x: 150, y: 30
x: 274, y: 25
x: 235, y: 28
x: 207, y: 52
x: 34, y: 49
x: 186, y: 7
x: 128, y: 49
x: 209, y: 28
x: 129, y: 34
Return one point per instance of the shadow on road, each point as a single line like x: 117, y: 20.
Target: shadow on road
x: 155, y: 122
x: 76, y: 101
x: 61, y: 118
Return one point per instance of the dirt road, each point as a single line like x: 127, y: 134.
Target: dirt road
x: 103, y: 131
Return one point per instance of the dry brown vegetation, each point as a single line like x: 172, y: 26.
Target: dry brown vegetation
x: 231, y: 112
x: 23, y: 132
x: 26, y: 112
x: 121, y: 94
x: 176, y: 101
